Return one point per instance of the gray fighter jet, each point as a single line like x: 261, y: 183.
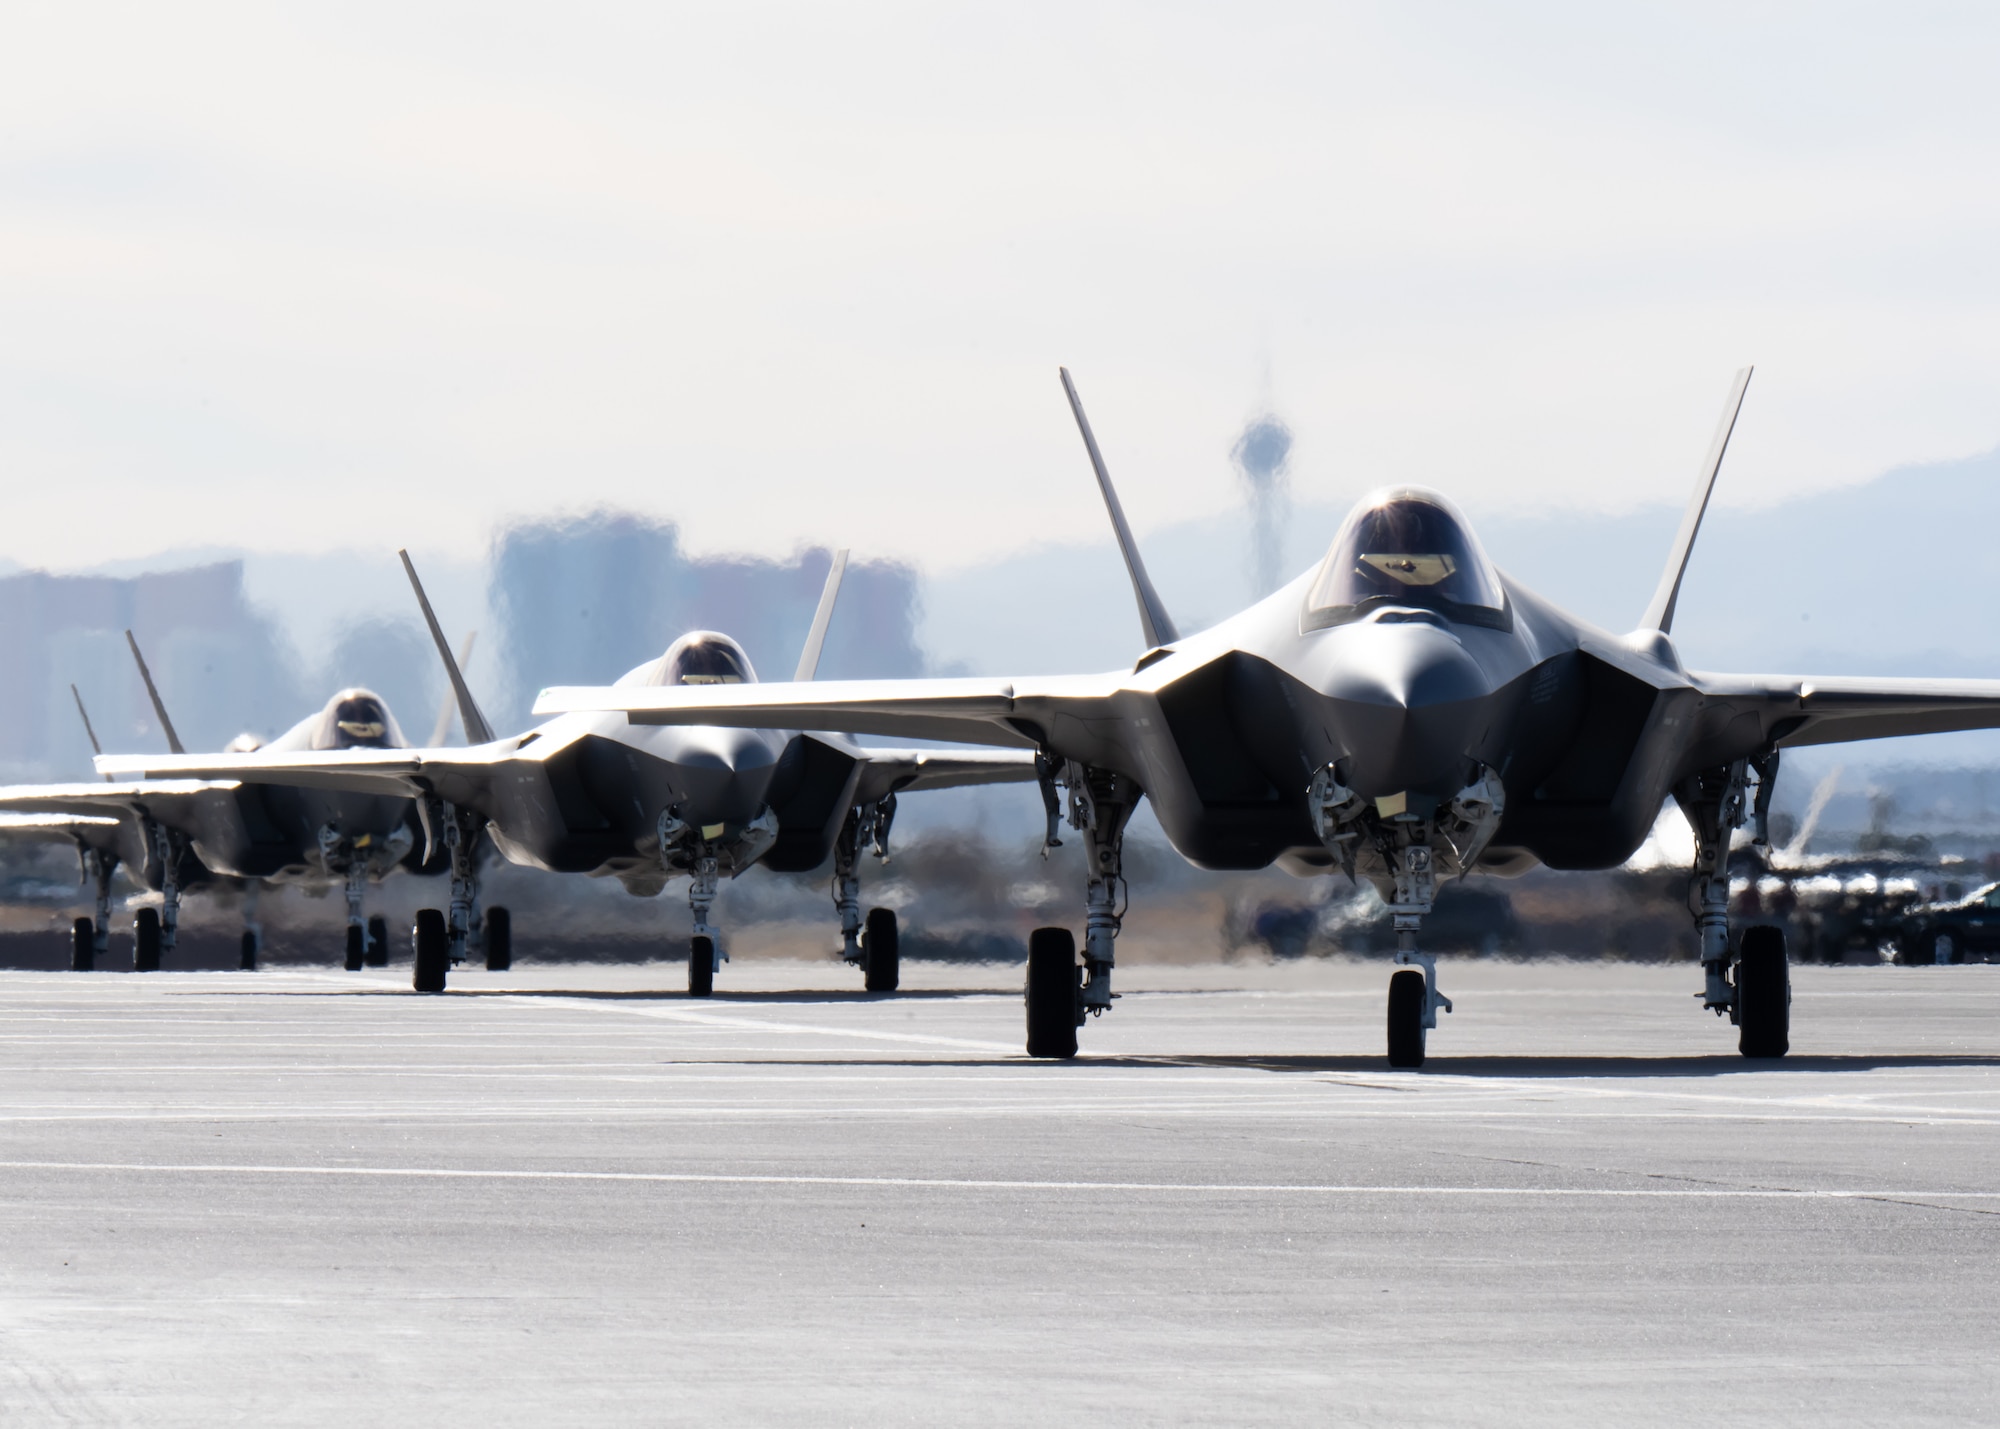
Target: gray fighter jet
x: 594, y: 794
x: 176, y: 833
x: 1403, y: 713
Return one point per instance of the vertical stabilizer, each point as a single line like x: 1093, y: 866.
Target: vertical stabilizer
x: 1660, y: 613
x: 89, y: 733
x: 822, y: 617
x: 1154, y: 621
x: 448, y: 706
x: 152, y: 692
x: 477, y: 730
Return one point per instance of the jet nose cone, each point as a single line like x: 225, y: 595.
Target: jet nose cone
x: 1412, y: 665
x: 726, y: 773
x: 1410, y: 703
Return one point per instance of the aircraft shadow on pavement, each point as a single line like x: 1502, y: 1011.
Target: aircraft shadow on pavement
x: 1497, y: 1068
x: 1718, y: 1064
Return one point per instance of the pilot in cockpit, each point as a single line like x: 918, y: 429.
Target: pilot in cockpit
x: 1405, y: 547
x: 704, y: 657
x: 357, y: 719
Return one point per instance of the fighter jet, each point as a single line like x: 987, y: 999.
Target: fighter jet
x: 595, y: 794
x: 1405, y: 713
x: 176, y: 833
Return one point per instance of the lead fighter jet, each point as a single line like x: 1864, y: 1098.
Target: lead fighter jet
x: 1403, y: 713
x: 591, y: 794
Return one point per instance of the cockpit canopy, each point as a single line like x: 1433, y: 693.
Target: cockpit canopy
x: 357, y: 719
x: 1406, y: 546
x: 701, y: 657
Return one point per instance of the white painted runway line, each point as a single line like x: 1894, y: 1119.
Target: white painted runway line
x: 949, y: 1183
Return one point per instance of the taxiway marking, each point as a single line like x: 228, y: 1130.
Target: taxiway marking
x: 946, y: 1183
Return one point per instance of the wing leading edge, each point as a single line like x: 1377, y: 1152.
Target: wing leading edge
x: 1015, y: 714
x: 1795, y: 710
x: 462, y: 776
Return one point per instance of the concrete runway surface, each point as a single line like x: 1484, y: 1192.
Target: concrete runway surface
x: 570, y: 1195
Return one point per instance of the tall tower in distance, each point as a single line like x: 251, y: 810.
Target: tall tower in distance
x: 1260, y: 456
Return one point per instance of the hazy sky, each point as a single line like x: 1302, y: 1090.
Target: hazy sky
x: 302, y: 277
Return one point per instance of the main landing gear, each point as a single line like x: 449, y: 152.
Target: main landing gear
x: 1059, y: 995
x: 873, y: 945
x: 90, y: 940
x: 155, y: 931
x: 1747, y: 978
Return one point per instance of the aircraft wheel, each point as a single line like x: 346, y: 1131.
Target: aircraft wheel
x: 1406, y: 1019
x: 1763, y: 994
x: 357, y: 948
x: 1943, y: 949
x: 701, y: 966
x: 377, y: 955
x: 432, y: 946
x: 249, y: 962
x: 1051, y: 994
x: 499, y: 930
x: 146, y: 941
x: 883, y: 955
x: 82, y: 946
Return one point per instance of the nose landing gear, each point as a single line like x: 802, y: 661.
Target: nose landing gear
x: 1405, y: 844
x: 1414, y: 1001
x: 705, y: 946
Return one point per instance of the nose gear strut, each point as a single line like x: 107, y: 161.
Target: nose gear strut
x: 1406, y: 845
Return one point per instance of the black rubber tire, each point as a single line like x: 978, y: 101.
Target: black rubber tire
x: 430, y: 944
x: 701, y: 966
x: 249, y: 960
x: 82, y: 946
x: 357, y: 948
x: 882, y: 951
x: 1406, y: 1019
x: 498, y: 927
x: 146, y: 941
x: 377, y: 955
x: 1952, y: 950
x: 1052, y: 993
x: 1763, y: 994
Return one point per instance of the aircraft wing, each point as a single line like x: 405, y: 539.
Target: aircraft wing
x: 896, y: 771
x: 56, y: 827
x: 166, y: 799
x: 460, y: 776
x: 1792, y: 710
x: 1019, y: 714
